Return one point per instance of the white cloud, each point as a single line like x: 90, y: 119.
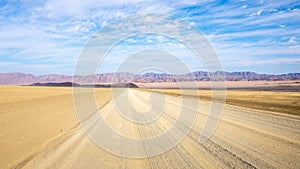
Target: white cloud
x: 282, y: 26
x: 256, y: 62
x: 259, y: 12
x: 293, y: 40
x: 57, y: 30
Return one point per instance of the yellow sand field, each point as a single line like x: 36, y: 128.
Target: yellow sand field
x: 32, y: 116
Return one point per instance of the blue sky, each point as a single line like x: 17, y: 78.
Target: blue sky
x: 47, y: 36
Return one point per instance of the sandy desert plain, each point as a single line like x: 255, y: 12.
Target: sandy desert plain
x: 259, y: 129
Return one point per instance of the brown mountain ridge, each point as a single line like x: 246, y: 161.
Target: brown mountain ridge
x: 26, y: 79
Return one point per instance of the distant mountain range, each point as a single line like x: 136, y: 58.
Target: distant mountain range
x: 70, y: 84
x: 26, y: 79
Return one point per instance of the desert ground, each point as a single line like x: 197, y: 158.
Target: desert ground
x: 292, y: 85
x: 40, y: 129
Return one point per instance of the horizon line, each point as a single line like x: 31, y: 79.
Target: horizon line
x: 63, y: 74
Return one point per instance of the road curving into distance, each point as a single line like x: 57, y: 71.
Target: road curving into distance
x: 245, y: 138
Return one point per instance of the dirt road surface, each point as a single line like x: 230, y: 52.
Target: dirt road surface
x: 245, y: 138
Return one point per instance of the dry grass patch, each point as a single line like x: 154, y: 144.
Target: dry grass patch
x: 276, y: 101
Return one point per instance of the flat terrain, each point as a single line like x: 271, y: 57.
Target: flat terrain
x: 32, y: 117
x: 293, y: 85
x: 277, y: 101
x: 39, y: 129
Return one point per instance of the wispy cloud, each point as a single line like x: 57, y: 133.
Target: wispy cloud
x: 52, y: 33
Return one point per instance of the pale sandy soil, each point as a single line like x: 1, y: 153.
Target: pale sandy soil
x: 39, y: 130
x: 30, y: 117
x: 229, y: 84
